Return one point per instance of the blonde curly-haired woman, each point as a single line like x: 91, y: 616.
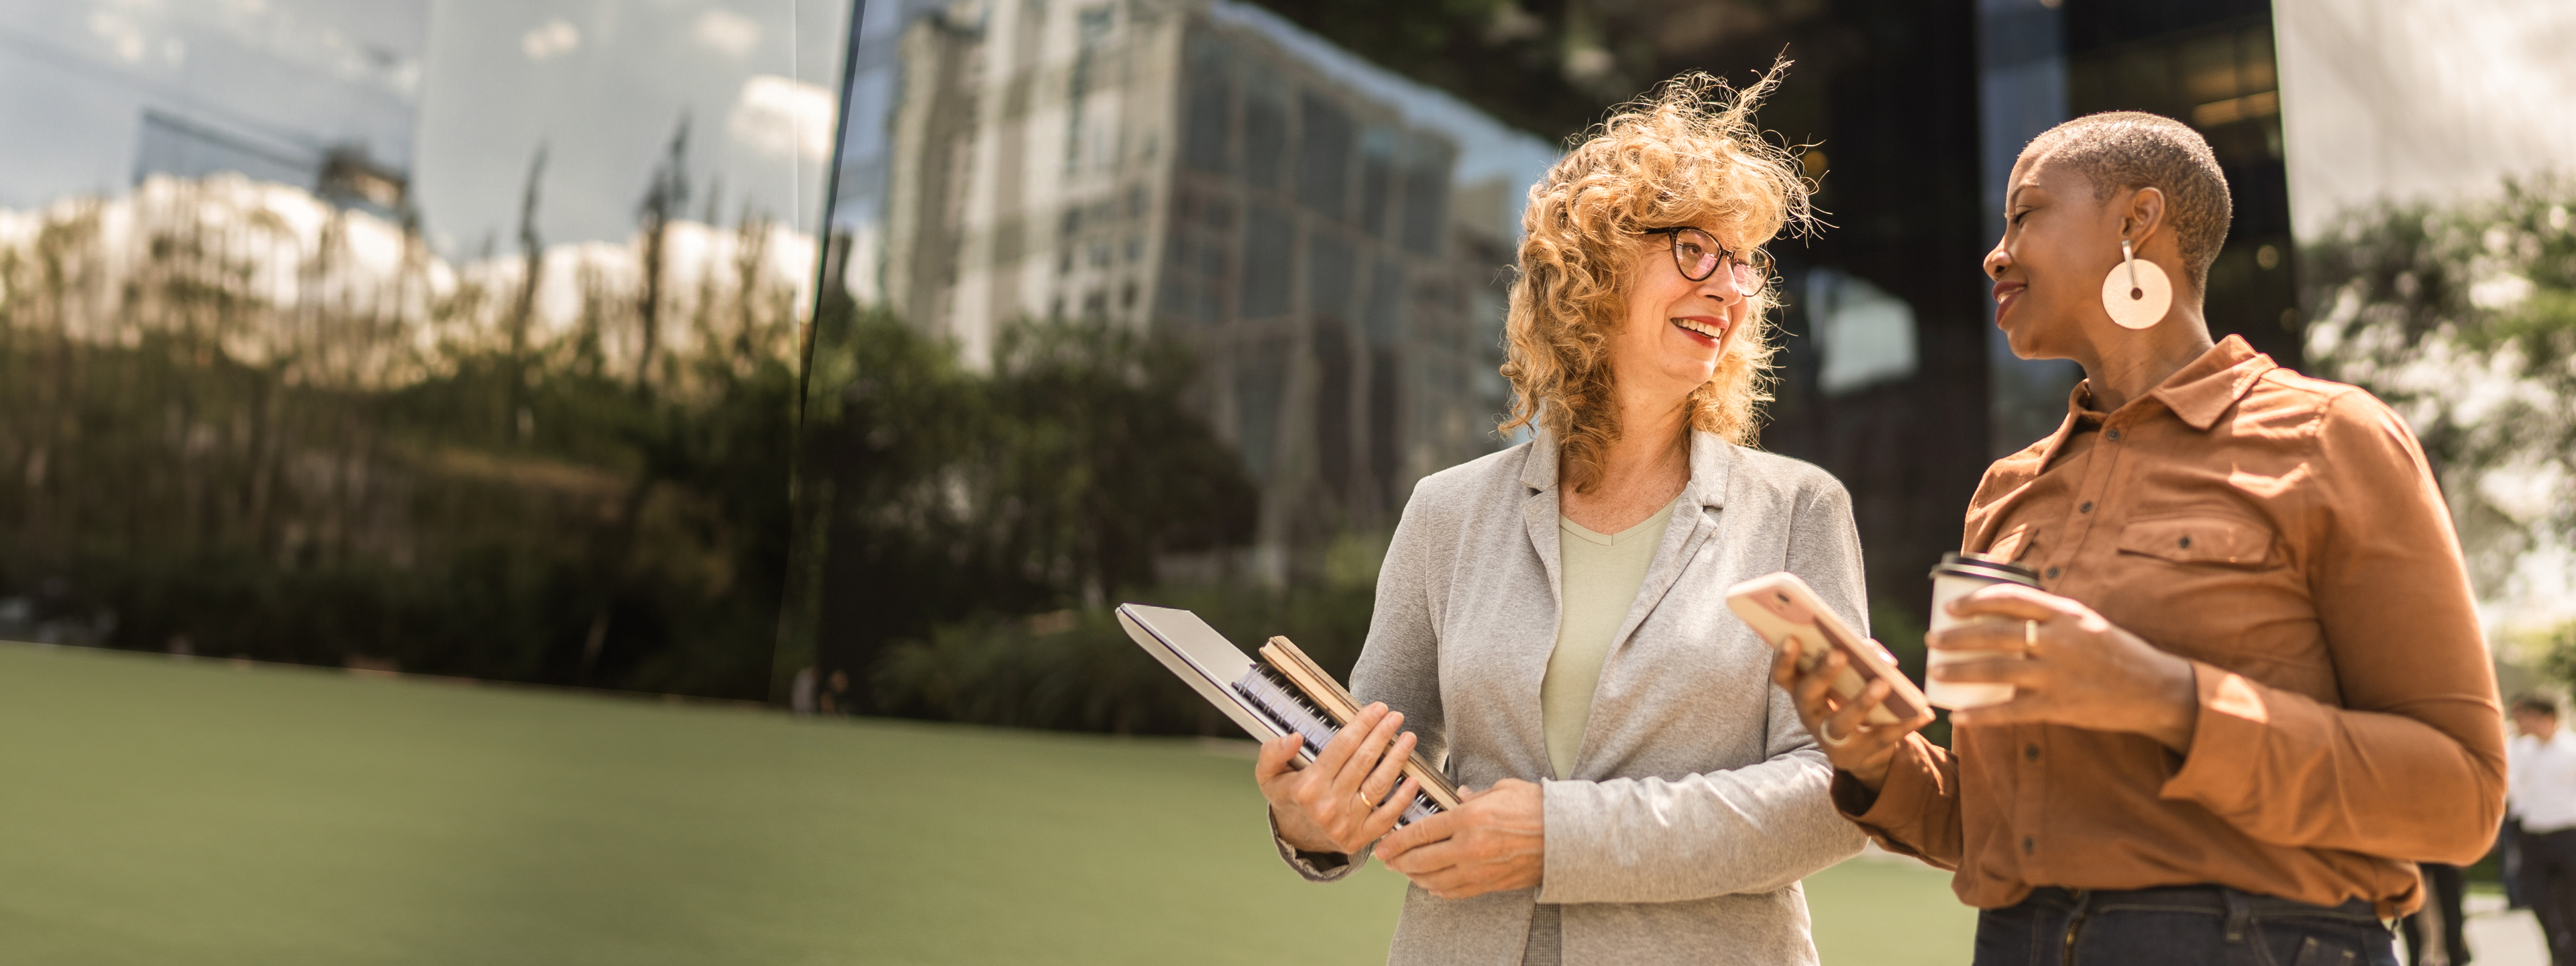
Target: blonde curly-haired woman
x: 1551, y: 620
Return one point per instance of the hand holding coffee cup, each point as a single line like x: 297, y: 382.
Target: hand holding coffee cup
x: 1957, y: 576
x: 2065, y: 664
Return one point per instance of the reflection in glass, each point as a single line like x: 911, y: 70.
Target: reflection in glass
x: 453, y: 338
x: 1325, y: 240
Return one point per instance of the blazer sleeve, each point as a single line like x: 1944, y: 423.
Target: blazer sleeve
x: 1400, y: 663
x: 1754, y: 829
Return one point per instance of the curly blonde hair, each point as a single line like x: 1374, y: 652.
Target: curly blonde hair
x: 1685, y: 154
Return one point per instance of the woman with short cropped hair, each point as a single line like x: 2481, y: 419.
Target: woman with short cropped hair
x: 1551, y: 619
x: 2249, y: 691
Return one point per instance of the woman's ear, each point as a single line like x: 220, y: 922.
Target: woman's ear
x: 2146, y: 214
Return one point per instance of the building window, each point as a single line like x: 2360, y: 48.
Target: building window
x: 1324, y: 158
x: 1208, y: 120
x: 1265, y: 138
x: 1426, y: 191
x: 1269, y: 243
x: 1330, y: 275
x: 1385, y: 296
x: 1377, y: 179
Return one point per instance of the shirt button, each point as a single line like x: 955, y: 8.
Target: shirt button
x: 2113, y: 436
x: 2086, y: 508
x: 2052, y: 573
x: 2030, y: 751
x: 2029, y: 845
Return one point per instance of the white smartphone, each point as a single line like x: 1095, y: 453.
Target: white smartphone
x: 1781, y: 607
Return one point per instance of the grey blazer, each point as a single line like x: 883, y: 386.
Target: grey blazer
x: 1698, y: 801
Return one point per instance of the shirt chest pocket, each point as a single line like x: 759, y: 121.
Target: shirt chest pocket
x: 2209, y: 540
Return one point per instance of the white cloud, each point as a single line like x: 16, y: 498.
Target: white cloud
x: 783, y: 116
x: 121, y: 33
x: 730, y: 33
x: 556, y: 36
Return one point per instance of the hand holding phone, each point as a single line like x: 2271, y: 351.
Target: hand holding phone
x: 1782, y: 608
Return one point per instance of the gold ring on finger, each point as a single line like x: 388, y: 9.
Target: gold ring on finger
x: 2029, y: 637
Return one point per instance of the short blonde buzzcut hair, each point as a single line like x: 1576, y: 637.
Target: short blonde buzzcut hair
x: 2116, y: 150
x: 1685, y: 154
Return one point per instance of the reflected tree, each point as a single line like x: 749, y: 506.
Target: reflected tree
x: 929, y: 494
x: 2464, y: 318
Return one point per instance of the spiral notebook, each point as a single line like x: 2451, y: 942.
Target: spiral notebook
x: 1281, y: 693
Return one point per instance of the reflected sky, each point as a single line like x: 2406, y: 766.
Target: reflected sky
x: 458, y: 92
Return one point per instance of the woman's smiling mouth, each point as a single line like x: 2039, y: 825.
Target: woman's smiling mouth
x: 2005, y: 293
x: 1701, y: 327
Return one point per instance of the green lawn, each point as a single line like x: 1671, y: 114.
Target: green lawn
x: 193, y: 812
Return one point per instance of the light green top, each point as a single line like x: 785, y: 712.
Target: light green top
x: 1602, y: 575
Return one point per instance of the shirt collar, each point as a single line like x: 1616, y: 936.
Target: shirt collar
x: 2200, y: 392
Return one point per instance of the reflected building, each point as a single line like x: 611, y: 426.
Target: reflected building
x: 1206, y: 172
x: 318, y: 95
x: 1893, y: 376
x: 2208, y: 63
x: 1202, y: 170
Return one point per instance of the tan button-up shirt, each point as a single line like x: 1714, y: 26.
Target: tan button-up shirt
x: 2285, y: 534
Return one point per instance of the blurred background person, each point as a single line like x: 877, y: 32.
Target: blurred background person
x: 1551, y: 620
x: 2436, y: 935
x: 2543, y: 798
x: 2252, y: 691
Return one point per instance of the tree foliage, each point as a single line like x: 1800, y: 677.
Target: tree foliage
x: 1076, y: 670
x: 931, y: 494
x: 2464, y: 318
x: 226, y: 438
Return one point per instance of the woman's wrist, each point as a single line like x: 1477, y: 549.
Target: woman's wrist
x: 1301, y: 835
x: 2178, y: 717
x: 1852, y: 796
x: 1871, y: 773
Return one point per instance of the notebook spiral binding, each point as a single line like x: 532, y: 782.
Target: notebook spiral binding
x: 1271, y: 694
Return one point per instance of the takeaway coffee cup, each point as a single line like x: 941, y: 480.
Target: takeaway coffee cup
x: 1958, y: 575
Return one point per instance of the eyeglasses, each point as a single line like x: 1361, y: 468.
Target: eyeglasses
x: 1697, y: 254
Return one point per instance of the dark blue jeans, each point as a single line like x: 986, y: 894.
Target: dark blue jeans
x: 2183, y: 925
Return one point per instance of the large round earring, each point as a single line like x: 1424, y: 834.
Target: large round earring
x: 2136, y: 293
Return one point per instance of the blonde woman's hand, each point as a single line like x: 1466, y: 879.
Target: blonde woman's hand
x: 1349, y: 796
x: 1494, y: 841
x: 1860, y: 750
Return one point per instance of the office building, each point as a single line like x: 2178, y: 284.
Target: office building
x: 1205, y: 172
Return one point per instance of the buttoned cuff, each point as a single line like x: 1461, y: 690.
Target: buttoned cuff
x: 1314, y: 866
x: 1913, y: 788
x: 2228, y: 731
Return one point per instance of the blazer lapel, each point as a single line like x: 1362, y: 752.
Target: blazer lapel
x: 1539, y: 512
x: 1694, y: 521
